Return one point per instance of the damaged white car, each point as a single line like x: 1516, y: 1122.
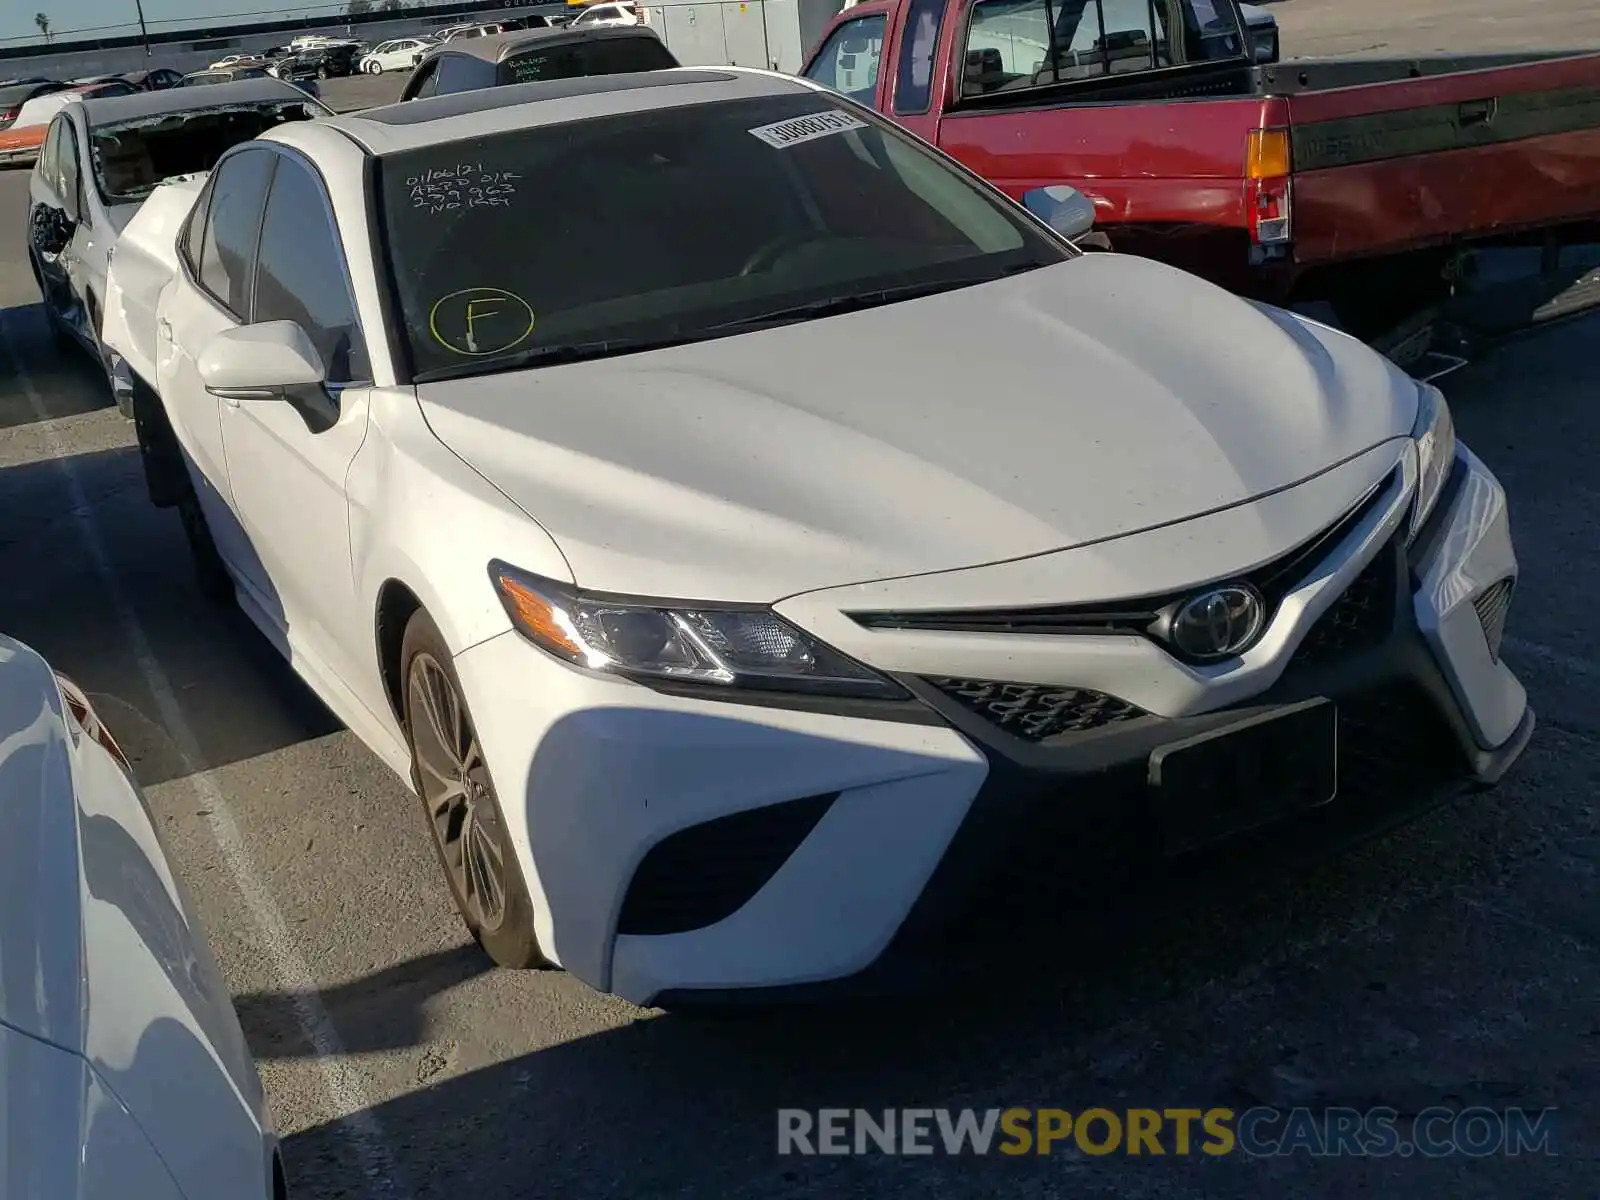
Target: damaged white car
x: 100, y: 160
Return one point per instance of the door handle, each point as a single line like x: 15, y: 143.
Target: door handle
x: 1476, y: 112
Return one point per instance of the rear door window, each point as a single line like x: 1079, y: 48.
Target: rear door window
x: 1018, y: 44
x: 68, y: 175
x: 459, y: 73
x: 426, y: 81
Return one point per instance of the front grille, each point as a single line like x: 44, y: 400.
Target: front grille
x: 1359, y: 619
x: 703, y: 874
x: 1035, y: 711
x: 1493, y: 606
x: 1137, y: 616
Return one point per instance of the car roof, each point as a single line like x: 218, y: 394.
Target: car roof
x: 497, y: 47
x: 462, y: 115
x: 113, y: 110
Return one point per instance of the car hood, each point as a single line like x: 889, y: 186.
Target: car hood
x: 1081, y: 402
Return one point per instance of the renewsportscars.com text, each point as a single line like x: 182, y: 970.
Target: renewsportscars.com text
x: 1257, y: 1132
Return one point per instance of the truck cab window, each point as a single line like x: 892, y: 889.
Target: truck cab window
x: 913, y: 85
x: 1017, y: 44
x: 848, y: 61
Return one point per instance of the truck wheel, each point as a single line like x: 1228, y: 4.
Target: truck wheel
x: 458, y: 797
x: 216, y: 585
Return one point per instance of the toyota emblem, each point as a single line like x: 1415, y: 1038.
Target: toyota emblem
x: 1220, y: 623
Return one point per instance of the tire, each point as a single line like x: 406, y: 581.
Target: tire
x: 374, y: 68
x: 465, y: 824
x: 216, y: 585
x: 324, y: 73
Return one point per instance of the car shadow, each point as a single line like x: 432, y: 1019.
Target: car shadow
x: 1170, y: 987
x: 238, y: 698
x: 46, y: 381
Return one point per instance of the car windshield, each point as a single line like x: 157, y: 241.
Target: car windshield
x: 132, y: 157
x: 677, y: 224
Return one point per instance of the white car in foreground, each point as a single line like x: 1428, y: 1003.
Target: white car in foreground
x: 725, y: 510
x: 124, y: 1074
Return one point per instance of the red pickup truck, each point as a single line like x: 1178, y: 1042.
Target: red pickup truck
x: 1352, y: 181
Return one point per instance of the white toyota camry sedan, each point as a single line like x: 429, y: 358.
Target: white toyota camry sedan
x: 744, y: 527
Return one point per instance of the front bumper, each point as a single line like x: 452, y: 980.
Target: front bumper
x: 684, y: 849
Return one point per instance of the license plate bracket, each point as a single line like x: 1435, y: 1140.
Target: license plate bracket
x: 1228, y: 781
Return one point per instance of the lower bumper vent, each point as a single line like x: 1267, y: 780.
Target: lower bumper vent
x: 1036, y: 711
x: 1493, y: 606
x: 707, y: 872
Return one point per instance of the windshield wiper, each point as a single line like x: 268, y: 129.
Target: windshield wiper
x: 554, y: 355
x: 857, y: 301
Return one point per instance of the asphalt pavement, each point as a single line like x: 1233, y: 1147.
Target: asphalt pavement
x: 1450, y: 961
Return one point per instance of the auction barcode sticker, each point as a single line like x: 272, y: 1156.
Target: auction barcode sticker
x: 795, y: 130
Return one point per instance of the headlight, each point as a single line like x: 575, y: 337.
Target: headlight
x: 736, y: 647
x: 1435, y: 435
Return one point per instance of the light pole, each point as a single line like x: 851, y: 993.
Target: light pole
x: 144, y: 33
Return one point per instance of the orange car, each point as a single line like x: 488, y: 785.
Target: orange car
x: 26, y: 110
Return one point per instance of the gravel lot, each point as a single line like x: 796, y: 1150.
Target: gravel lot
x: 1451, y: 962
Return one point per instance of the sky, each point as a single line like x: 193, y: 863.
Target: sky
x: 111, y: 17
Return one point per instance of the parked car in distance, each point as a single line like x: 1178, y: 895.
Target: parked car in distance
x: 157, y: 79
x: 476, y: 30
x: 401, y: 54
x: 665, y: 550
x: 102, y: 158
x: 127, y: 1076
x: 223, y: 75
x: 1357, y: 182
x: 318, y: 62
x: 238, y: 60
x: 13, y: 96
x: 465, y: 65
x: 599, y: 16
x: 21, y: 139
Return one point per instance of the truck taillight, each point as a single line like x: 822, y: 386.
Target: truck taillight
x: 1267, y: 190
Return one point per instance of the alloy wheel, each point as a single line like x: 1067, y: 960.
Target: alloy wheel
x: 454, y: 782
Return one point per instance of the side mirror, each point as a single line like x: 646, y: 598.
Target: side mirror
x: 1065, y: 209
x: 260, y: 362
x: 1264, y: 46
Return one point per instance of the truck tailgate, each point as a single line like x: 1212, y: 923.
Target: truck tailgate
x: 144, y: 262
x: 1394, y: 165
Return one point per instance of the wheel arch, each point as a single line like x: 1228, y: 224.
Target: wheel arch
x: 397, y: 604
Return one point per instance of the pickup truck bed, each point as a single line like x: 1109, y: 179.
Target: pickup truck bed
x: 1299, y: 180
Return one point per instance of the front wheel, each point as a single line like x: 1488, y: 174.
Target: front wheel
x: 452, y: 779
x: 374, y: 68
